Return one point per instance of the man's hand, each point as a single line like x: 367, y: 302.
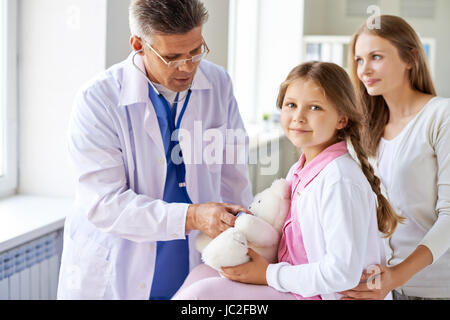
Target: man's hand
x: 212, y: 218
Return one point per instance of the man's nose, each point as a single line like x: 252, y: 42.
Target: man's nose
x: 187, y: 66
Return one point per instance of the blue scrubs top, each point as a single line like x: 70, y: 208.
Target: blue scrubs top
x: 172, y: 257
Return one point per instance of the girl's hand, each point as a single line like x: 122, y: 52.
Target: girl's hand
x: 253, y: 272
x: 375, y: 284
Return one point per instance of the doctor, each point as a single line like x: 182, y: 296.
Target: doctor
x: 140, y: 198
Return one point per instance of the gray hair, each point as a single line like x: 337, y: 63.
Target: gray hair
x: 149, y: 17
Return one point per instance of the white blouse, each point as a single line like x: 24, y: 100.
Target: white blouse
x: 337, y: 211
x: 414, y: 168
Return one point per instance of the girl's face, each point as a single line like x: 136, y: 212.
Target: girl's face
x: 308, y: 119
x: 379, y: 65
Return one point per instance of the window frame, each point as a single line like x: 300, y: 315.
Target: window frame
x: 8, y: 105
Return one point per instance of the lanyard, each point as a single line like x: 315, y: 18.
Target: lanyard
x: 172, y: 257
x: 173, y: 126
x: 172, y: 115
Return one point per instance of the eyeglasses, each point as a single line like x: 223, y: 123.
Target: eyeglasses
x: 177, y: 63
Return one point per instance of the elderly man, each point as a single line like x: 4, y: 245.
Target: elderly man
x: 143, y: 191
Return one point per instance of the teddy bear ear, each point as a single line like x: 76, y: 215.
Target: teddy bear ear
x: 282, y: 188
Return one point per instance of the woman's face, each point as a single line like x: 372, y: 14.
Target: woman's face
x: 379, y: 65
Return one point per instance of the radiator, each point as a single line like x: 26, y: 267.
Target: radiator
x: 30, y: 271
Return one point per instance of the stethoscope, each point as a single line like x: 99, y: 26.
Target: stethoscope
x: 179, y: 171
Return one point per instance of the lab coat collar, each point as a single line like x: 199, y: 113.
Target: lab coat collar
x: 135, y: 85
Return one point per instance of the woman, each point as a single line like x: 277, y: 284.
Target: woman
x: 409, y: 133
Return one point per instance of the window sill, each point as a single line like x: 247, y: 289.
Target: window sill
x: 24, y: 218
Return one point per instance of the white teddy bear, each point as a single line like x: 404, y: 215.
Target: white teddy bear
x: 260, y: 231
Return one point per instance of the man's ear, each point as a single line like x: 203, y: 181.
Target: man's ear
x: 136, y: 44
x: 342, y: 123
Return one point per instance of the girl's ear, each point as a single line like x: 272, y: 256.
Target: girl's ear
x: 342, y: 123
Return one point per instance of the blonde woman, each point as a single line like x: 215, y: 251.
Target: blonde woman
x: 409, y: 134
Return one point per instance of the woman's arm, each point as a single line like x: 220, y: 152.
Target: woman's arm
x: 377, y: 286
x: 435, y: 243
x: 418, y: 260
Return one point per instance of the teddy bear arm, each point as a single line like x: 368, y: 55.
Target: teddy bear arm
x: 257, y: 231
x: 202, y: 241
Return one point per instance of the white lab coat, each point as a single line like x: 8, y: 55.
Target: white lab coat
x: 117, y: 151
x: 337, y: 214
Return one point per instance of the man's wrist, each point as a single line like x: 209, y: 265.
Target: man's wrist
x: 191, y: 216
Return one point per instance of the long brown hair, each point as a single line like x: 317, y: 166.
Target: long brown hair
x: 339, y: 90
x: 405, y: 39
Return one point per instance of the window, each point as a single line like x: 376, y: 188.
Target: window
x: 8, y: 97
x: 265, y: 44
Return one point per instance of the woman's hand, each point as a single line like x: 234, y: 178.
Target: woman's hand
x: 253, y: 272
x: 375, y: 284
x: 377, y: 281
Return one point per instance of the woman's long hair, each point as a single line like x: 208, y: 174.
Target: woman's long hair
x: 339, y: 90
x: 410, y: 48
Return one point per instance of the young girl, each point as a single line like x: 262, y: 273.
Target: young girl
x: 332, y: 231
x: 409, y: 132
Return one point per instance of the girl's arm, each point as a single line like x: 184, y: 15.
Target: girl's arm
x: 342, y: 214
x: 344, y: 232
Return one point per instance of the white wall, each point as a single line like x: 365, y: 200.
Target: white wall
x: 327, y: 17
x: 118, y: 32
x: 215, y: 31
x: 61, y: 46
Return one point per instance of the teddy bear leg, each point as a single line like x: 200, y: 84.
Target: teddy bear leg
x: 227, y: 249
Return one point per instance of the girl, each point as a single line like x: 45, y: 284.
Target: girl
x: 409, y: 132
x: 337, y: 210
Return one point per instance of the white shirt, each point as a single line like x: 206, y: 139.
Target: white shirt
x: 170, y: 95
x: 337, y: 211
x: 385, y: 151
x: 415, y: 171
x: 118, y: 155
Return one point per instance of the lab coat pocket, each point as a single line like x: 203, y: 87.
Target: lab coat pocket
x: 214, y: 142
x: 87, y: 270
